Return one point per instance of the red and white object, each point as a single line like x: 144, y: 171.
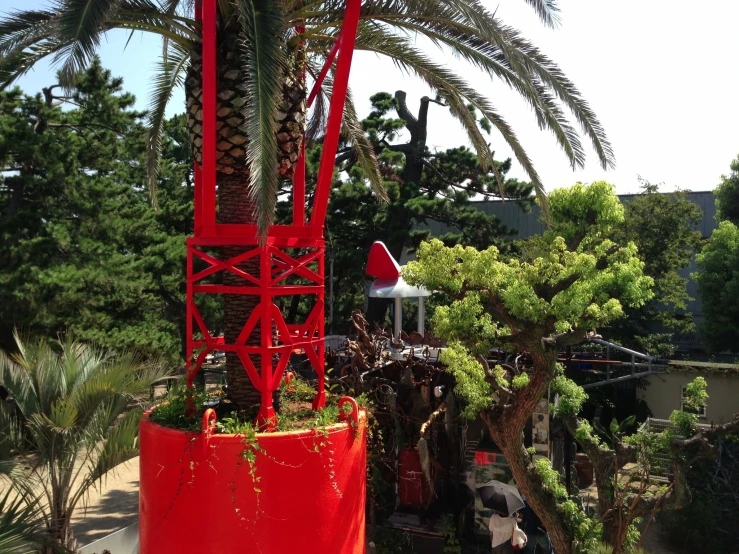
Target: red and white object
x: 390, y: 284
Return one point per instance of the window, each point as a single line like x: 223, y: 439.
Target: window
x: 701, y: 412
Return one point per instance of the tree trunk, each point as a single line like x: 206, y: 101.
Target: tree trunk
x: 506, y: 426
x: 235, y: 206
x: 232, y: 178
x: 413, y: 152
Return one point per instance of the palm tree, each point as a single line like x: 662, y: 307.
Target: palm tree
x: 20, y: 526
x: 264, y: 49
x: 78, y: 406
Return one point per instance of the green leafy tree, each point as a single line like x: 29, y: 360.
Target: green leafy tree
x: 727, y: 195
x: 718, y: 286
x: 261, y: 89
x: 74, y: 400
x: 548, y: 295
x: 662, y: 226
x: 711, y: 520
x: 561, y: 285
x: 82, y: 248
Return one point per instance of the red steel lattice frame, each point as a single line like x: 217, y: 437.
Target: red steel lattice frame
x: 276, y: 263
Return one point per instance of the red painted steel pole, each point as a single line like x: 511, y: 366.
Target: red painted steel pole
x: 189, y: 347
x: 299, y: 189
x: 336, y: 111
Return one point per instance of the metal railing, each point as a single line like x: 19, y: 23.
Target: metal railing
x: 660, y: 461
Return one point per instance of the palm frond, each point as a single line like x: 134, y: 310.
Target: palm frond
x: 74, y: 401
x: 468, y: 30
x: 455, y: 91
x: 490, y: 59
x: 169, y: 76
x: 17, y: 63
x: 552, y: 76
x: 82, y: 23
x: 19, y: 523
x: 319, y: 111
x: 547, y: 10
x: 22, y: 28
x: 366, y: 157
x: 261, y: 23
x: 120, y: 444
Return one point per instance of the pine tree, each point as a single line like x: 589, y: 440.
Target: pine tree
x: 82, y: 249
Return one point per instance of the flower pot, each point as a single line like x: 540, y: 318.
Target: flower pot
x: 305, y: 491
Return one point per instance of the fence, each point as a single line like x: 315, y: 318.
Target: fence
x: 660, y: 463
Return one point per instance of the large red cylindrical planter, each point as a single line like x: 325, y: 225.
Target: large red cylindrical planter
x: 306, y: 493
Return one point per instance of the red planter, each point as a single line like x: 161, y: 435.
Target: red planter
x: 307, y: 496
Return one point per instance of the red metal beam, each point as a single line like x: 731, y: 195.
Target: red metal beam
x: 336, y: 111
x: 324, y: 71
x: 299, y: 189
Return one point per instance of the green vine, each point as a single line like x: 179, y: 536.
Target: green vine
x: 451, y: 543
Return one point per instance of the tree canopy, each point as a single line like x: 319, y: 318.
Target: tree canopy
x: 424, y: 188
x: 546, y: 296
x: 727, y: 195
x: 82, y: 249
x: 662, y: 226
x: 718, y: 286
x: 268, y: 45
x: 718, y: 263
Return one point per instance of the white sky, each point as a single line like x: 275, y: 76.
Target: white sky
x: 661, y: 75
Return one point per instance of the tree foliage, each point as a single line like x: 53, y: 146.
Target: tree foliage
x: 72, y: 32
x: 718, y: 286
x: 424, y: 188
x: 718, y: 263
x: 82, y: 248
x: 540, y: 299
x: 662, y: 226
x: 74, y: 403
x: 565, y: 282
x: 727, y: 195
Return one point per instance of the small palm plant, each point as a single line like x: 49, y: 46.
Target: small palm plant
x: 80, y: 409
x: 21, y: 527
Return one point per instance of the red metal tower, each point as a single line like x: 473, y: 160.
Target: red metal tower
x: 276, y: 254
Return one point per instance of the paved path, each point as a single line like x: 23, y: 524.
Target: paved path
x: 113, y: 506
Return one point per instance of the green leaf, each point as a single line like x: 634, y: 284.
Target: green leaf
x: 614, y: 426
x: 263, y: 54
x: 169, y: 76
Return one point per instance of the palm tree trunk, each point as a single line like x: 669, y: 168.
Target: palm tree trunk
x: 232, y: 178
x: 235, y: 206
